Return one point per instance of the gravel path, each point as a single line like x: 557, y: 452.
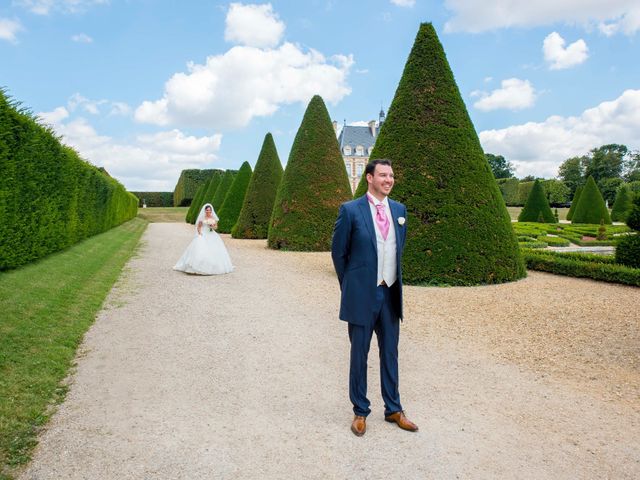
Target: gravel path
x: 244, y: 376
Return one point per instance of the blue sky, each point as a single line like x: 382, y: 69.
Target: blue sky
x: 146, y: 88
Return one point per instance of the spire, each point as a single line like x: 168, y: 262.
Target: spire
x: 381, y: 116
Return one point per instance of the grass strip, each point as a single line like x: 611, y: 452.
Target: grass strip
x: 47, y: 306
x: 163, y: 214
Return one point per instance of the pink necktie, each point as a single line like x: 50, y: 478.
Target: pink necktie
x: 381, y: 218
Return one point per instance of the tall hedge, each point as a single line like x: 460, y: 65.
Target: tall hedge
x: 459, y: 230
x: 537, y: 206
x: 574, y: 202
x: 622, y: 205
x: 628, y: 248
x: 194, y: 208
x: 49, y: 197
x: 230, y: 209
x: 591, y: 207
x: 154, y: 199
x: 188, y: 184
x: 253, y: 221
x: 314, y: 185
x: 223, y: 187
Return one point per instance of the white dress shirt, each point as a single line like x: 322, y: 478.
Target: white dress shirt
x: 387, y: 267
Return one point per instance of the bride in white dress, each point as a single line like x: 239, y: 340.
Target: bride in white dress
x: 206, y: 254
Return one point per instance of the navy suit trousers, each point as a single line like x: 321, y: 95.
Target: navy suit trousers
x: 387, y: 327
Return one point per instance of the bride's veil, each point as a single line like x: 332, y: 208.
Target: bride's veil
x: 201, y: 215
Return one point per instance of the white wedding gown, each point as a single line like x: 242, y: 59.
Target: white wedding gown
x: 205, y: 255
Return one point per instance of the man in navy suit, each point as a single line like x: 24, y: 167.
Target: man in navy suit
x: 368, y: 240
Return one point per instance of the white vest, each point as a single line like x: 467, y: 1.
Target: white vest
x: 387, y: 267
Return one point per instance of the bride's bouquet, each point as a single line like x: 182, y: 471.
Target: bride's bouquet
x: 209, y: 223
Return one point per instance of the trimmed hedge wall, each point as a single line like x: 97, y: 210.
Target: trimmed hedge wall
x: 313, y: 187
x: 155, y: 199
x: 537, y: 208
x: 188, y: 184
x: 49, y: 197
x: 230, y: 209
x: 459, y: 230
x: 565, y: 264
x: 628, y: 249
x: 253, y: 221
x: 591, y: 207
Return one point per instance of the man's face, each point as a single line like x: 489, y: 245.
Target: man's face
x: 381, y: 182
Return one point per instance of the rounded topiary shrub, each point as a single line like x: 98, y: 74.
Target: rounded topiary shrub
x: 591, y: 207
x: 574, y: 202
x: 253, y: 221
x: 459, y: 231
x: 622, y: 204
x: 536, y: 208
x: 313, y: 187
x: 230, y: 209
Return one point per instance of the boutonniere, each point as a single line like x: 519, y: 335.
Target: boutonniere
x: 401, y: 221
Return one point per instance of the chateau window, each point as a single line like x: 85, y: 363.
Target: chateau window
x: 347, y: 150
x: 348, y: 165
x: 359, y: 169
x: 360, y: 150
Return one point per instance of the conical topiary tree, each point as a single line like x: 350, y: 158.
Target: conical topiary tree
x: 536, y: 208
x: 230, y: 209
x: 253, y: 221
x: 223, y: 188
x: 622, y: 204
x: 194, y: 208
x: 628, y: 248
x: 591, y: 207
x: 203, y: 196
x: 459, y: 230
x: 313, y: 186
x: 574, y: 202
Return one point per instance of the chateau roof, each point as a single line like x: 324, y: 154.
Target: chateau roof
x: 354, y: 136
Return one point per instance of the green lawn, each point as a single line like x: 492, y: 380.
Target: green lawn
x: 46, y: 308
x: 163, y: 214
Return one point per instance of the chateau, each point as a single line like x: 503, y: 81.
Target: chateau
x: 356, y: 144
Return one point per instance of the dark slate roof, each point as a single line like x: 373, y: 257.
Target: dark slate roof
x: 354, y: 136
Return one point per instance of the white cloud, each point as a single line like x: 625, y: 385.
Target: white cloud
x: 229, y: 90
x: 9, y: 29
x: 54, y: 117
x: 253, y: 25
x: 538, y: 148
x: 514, y: 94
x: 151, y: 162
x: 45, y: 7
x: 404, y: 3
x: 82, y: 38
x: 479, y: 15
x: 560, y: 57
x: 120, y: 108
x: 90, y: 106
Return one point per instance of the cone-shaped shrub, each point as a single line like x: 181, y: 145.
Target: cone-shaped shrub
x: 628, y: 248
x: 622, y: 205
x: 221, y: 191
x: 313, y: 187
x: 591, y: 207
x: 230, y: 209
x: 574, y: 202
x: 209, y: 191
x: 253, y: 221
x: 459, y: 230
x: 536, y: 208
x: 194, y: 208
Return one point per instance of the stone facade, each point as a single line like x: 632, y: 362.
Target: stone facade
x: 356, y: 144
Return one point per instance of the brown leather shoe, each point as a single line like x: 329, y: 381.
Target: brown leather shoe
x: 359, y: 425
x: 402, y: 421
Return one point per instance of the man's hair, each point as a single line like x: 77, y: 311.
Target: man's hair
x: 371, y: 166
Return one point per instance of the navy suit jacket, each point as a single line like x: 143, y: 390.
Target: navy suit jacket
x: 355, y: 258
